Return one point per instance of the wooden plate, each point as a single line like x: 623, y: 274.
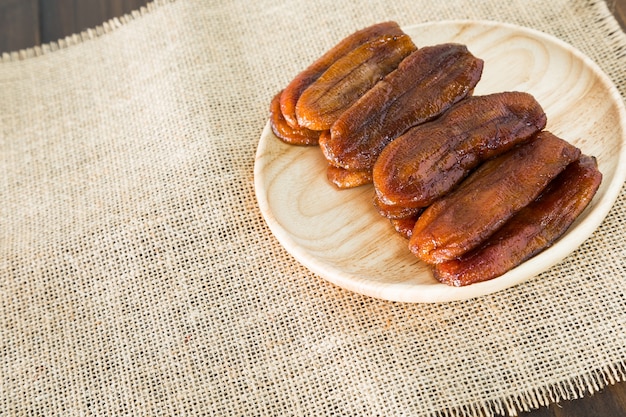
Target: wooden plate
x: 340, y: 236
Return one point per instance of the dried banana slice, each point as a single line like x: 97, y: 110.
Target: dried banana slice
x: 286, y: 133
x: 533, y: 229
x: 342, y: 178
x: 462, y: 219
x: 425, y: 84
x: 348, y: 78
x: 294, y: 89
x: 429, y: 160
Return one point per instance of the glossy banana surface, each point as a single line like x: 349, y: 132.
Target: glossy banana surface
x: 348, y: 78
x: 533, y: 229
x: 425, y: 84
x: 461, y: 220
x: 300, y: 82
x: 429, y: 160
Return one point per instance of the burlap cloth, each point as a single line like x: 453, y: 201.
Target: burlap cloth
x: 137, y: 275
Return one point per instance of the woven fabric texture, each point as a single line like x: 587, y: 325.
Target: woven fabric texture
x: 137, y: 275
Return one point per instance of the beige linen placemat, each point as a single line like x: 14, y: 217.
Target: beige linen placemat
x: 137, y: 275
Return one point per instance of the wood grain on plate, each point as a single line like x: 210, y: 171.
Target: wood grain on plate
x: 340, y: 236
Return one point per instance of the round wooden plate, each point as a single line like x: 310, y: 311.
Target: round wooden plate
x: 340, y: 236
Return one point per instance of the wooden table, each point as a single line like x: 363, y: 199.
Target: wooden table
x: 25, y: 23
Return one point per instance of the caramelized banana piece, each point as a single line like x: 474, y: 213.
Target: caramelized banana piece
x: 286, y: 133
x: 405, y: 226
x: 294, y: 89
x: 394, y: 212
x: 533, y: 229
x: 461, y: 220
x: 425, y: 84
x: 348, y: 78
x: 429, y: 160
x: 343, y: 179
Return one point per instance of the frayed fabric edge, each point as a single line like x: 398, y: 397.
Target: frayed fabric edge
x: 571, y: 389
x: 615, y: 33
x: 86, y: 35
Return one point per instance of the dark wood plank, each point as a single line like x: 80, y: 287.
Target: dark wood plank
x: 19, y: 24
x: 611, y: 401
x: 619, y: 11
x: 61, y: 18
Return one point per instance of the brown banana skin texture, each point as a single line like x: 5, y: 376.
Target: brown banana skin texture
x: 425, y: 84
x: 461, y: 220
x: 286, y: 133
x: 348, y: 78
x: 429, y: 160
x: 343, y: 179
x: 300, y: 82
x: 533, y: 229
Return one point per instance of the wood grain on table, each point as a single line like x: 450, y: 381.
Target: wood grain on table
x: 26, y: 23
